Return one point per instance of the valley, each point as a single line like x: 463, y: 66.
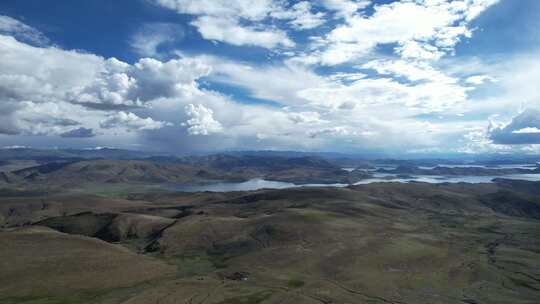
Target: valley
x: 270, y: 152
x: 376, y: 243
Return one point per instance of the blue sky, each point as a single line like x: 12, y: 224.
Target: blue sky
x: 398, y: 77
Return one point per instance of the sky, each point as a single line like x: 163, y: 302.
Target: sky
x: 409, y: 77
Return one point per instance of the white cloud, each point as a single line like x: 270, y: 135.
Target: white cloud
x: 42, y: 87
x: 225, y: 21
x: 252, y: 10
x: 35, y: 73
x: 147, y: 40
x: 477, y: 141
x: 131, y: 121
x: 347, y: 77
x: 414, y: 50
x: 22, y: 31
x: 333, y: 131
x: 120, y: 84
x: 51, y: 118
x: 229, y: 30
x: 523, y: 129
x: 476, y: 7
x: 41, y: 74
x: 345, y: 8
x: 370, y: 93
x: 305, y: 117
x: 301, y: 16
x: 408, y: 100
x: 173, y: 78
x: 202, y: 120
x: 479, y: 79
x: 287, y: 80
x: 527, y: 130
x: 423, y: 29
x: 413, y: 71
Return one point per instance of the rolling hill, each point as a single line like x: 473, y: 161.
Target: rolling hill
x: 376, y: 243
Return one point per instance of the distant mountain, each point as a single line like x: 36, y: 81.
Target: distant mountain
x: 117, y: 171
x: 69, y: 154
x: 339, y: 159
x: 227, y: 162
x: 191, y: 170
x: 463, y: 171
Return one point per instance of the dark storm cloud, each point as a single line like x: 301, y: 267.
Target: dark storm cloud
x: 7, y: 126
x: 7, y: 123
x: 109, y: 107
x: 63, y: 122
x: 79, y: 132
x: 524, y: 129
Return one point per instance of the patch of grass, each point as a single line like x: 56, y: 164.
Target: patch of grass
x: 118, y: 190
x: 190, y: 265
x: 295, y: 283
x: 220, y: 254
x: 48, y: 300
x: 135, y: 244
x: 108, y: 295
x: 6, y: 192
x: 218, y: 258
x: 316, y: 216
x: 253, y: 298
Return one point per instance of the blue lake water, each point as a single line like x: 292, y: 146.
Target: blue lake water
x: 253, y: 184
x: 447, y: 179
x: 256, y: 184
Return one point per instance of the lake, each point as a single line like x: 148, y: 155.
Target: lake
x: 256, y: 184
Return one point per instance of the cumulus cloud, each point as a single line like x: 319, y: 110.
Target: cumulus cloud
x: 131, y: 121
x: 421, y: 29
x: 523, y: 129
x: 477, y: 141
x: 89, y: 79
x: 45, y: 118
x: 335, y: 93
x: 43, y: 73
x: 201, y: 120
x: 300, y: 14
x: 120, y: 84
x: 42, y: 87
x: 251, y: 23
x: 173, y: 78
x: 225, y: 21
x: 47, y: 90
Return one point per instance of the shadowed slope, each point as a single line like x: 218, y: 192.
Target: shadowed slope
x: 39, y: 261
